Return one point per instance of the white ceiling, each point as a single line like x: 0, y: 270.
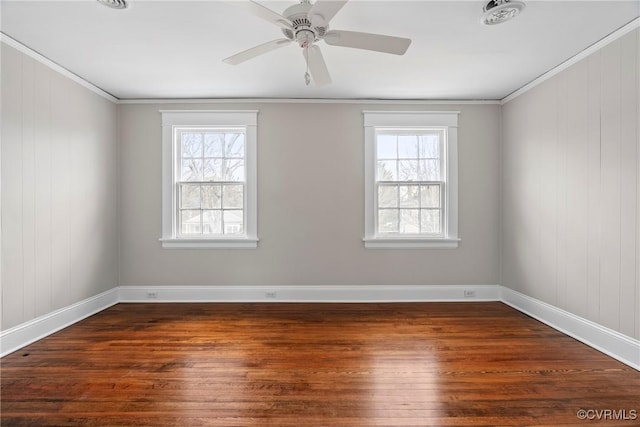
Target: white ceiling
x: 174, y: 49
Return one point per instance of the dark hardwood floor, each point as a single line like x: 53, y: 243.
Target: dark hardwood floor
x: 418, y: 364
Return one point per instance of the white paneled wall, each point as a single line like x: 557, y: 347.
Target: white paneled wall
x: 570, y: 189
x: 59, y: 190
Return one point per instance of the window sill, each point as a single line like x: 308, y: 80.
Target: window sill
x: 239, y: 243
x: 410, y: 243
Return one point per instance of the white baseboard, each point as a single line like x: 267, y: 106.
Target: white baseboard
x: 612, y: 343
x: 26, y: 333
x: 362, y: 294
x: 620, y: 347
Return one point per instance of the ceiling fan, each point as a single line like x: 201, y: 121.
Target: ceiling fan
x: 306, y: 24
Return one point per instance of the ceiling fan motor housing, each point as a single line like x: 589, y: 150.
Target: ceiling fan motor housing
x: 499, y: 11
x: 303, y: 32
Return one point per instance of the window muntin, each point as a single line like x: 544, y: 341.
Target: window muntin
x: 210, y: 181
x: 410, y: 181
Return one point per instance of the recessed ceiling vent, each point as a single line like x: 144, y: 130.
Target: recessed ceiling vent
x: 114, y: 4
x: 499, y: 11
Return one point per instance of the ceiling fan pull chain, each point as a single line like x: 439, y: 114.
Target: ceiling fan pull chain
x: 307, y: 76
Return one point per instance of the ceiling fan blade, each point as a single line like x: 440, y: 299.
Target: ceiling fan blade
x: 317, y: 66
x: 376, y: 42
x: 256, y: 51
x: 264, y: 12
x: 324, y: 10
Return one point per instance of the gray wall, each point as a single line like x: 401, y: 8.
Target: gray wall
x: 570, y: 189
x: 310, y: 204
x: 59, y: 190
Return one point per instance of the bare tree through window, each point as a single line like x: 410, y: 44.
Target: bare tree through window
x: 409, y: 182
x: 212, y: 182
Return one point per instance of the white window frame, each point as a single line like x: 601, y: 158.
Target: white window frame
x: 174, y: 119
x: 380, y: 120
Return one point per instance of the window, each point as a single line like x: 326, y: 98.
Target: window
x: 411, y: 179
x: 209, y: 179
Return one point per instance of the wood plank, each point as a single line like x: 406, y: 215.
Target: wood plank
x: 594, y: 185
x: 61, y: 131
x: 28, y: 189
x: 637, y: 298
x: 544, y: 178
x: 629, y: 118
x: 610, y: 197
x: 411, y: 364
x: 561, y: 219
x: 12, y: 253
x: 43, y: 189
x: 577, y: 188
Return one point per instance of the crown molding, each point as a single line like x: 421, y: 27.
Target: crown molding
x: 574, y: 59
x: 9, y: 41
x: 371, y: 101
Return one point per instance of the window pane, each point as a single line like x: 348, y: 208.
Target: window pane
x: 191, y: 144
x: 212, y: 222
x: 388, y: 196
x: 387, y: 170
x: 190, y: 222
x: 410, y: 221
x: 430, y: 221
x: 211, y: 197
x: 430, y: 170
x: 234, y: 145
x: 190, y: 196
x: 234, y: 170
x: 233, y: 222
x: 387, y: 220
x: 429, y: 146
x: 430, y: 196
x: 213, y: 144
x: 409, y: 196
x: 408, y: 170
x: 212, y: 170
x: 232, y: 196
x: 386, y: 147
x: 191, y: 170
x: 407, y: 147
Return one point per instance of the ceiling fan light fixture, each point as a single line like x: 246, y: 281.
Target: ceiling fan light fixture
x: 499, y: 11
x: 114, y: 4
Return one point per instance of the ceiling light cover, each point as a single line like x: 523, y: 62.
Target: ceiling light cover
x: 114, y: 4
x: 499, y: 11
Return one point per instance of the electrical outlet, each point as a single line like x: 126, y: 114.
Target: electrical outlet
x: 270, y: 294
x: 152, y: 295
x: 469, y: 294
